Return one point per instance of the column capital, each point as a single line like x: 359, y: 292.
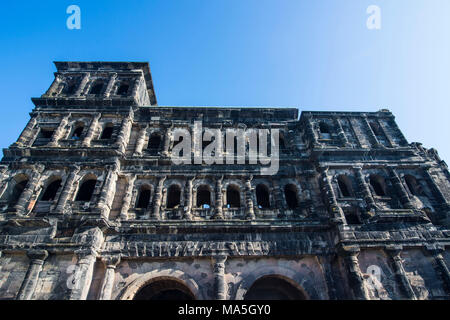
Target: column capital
x: 111, y: 262
x: 37, y: 255
x: 349, y: 251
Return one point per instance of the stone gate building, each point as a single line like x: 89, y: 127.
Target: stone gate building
x: 92, y: 207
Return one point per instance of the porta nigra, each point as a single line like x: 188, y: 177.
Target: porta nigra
x: 93, y: 207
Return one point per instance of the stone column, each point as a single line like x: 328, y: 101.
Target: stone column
x: 21, y: 205
x: 27, y: 132
x: 311, y: 132
x: 278, y: 195
x: 220, y: 285
x: 57, y: 135
x: 135, y: 89
x: 82, y: 277
x: 441, y: 199
x: 372, y: 137
x: 140, y: 141
x: 108, y: 281
x: 341, y: 134
x: 108, y: 191
x: 394, y: 253
x: 91, y: 131
x: 250, y: 210
x: 386, y: 134
x: 364, y: 189
x: 400, y: 188
x: 127, y: 197
x: 441, y: 266
x: 110, y: 85
x: 188, y: 199
x: 81, y: 88
x: 219, y: 200
x: 124, y: 134
x: 28, y: 286
x: 156, y: 215
x: 54, y: 86
x: 67, y: 190
x: 167, y: 140
x: 330, y: 198
x: 356, y: 280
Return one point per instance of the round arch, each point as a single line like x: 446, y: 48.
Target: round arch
x: 165, y: 275
x: 295, y: 279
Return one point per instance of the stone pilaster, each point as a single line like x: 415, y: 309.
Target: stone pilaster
x: 28, y: 287
x: 400, y: 189
x: 441, y: 266
x: 125, y: 131
x: 110, y: 274
x: 112, y: 80
x: 140, y: 141
x: 82, y: 277
x: 356, y: 280
x: 91, y: 131
x: 278, y: 195
x: 341, y: 134
x: 188, y: 199
x: 54, y: 86
x: 127, y: 197
x: 135, y: 89
x: 372, y: 137
x: 444, y: 215
x: 21, y: 205
x: 108, y: 191
x: 67, y: 189
x: 249, y: 210
x: 220, y: 285
x: 311, y: 132
x: 82, y: 89
x: 59, y: 132
x: 330, y: 197
x: 364, y: 189
x: 167, y: 141
x: 26, y: 134
x: 218, y: 214
x: 156, y: 214
x: 396, y: 259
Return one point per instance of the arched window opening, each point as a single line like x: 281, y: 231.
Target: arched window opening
x: 173, y: 196
x: 413, y: 185
x: 96, y: 87
x: 17, y: 191
x: 233, y: 197
x: 86, y: 190
x: 290, y: 193
x: 78, y: 132
x: 154, y: 142
x: 70, y: 88
x: 324, y: 131
x: 46, y: 133
x: 107, y: 132
x: 123, y: 89
x: 166, y: 289
x: 203, y: 197
x: 262, y: 196
x: 378, y: 184
x: 51, y: 191
x: 273, y: 288
x: 345, y: 186
x: 143, y: 198
x: 375, y: 128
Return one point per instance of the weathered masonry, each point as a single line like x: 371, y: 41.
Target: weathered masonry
x: 92, y: 207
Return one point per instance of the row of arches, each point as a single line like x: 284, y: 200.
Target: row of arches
x: 97, y: 87
x: 378, y: 185
x: 268, y: 287
x: 204, y: 196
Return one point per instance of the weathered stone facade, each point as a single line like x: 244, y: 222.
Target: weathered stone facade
x: 92, y: 207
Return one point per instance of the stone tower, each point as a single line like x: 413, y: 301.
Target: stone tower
x: 92, y: 205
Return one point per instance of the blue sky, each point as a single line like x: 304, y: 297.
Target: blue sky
x: 314, y: 55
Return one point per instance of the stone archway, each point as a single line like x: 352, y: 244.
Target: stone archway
x: 289, y: 278
x: 274, y: 287
x: 162, y: 285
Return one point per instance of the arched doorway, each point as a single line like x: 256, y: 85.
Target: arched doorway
x: 164, y: 289
x: 273, y: 288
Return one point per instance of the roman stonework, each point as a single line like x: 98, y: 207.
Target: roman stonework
x: 92, y: 206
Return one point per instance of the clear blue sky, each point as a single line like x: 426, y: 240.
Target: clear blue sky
x: 314, y: 55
